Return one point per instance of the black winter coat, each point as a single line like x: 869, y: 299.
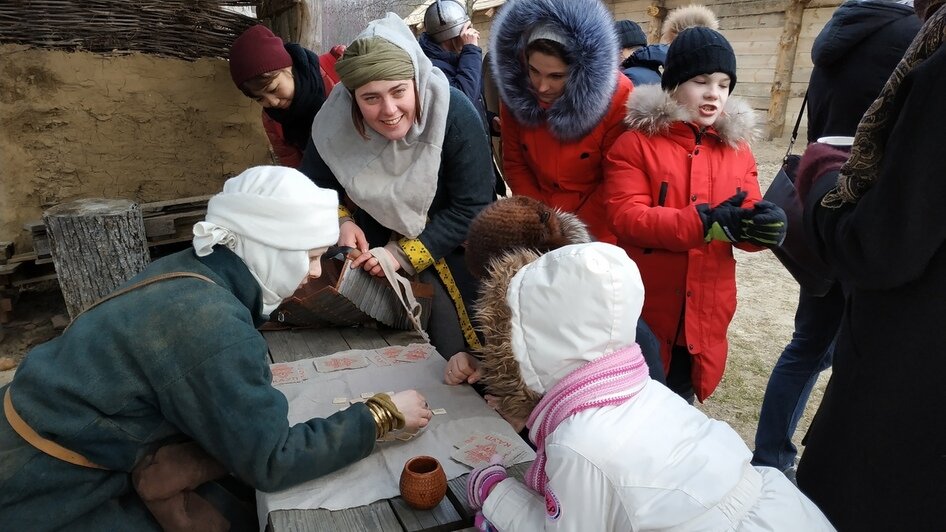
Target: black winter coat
x: 464, y: 71
x: 643, y: 66
x: 853, y: 56
x: 875, y: 457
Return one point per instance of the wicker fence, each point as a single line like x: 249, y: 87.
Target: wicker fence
x: 186, y: 29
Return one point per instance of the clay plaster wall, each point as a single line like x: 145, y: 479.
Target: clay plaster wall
x: 126, y: 126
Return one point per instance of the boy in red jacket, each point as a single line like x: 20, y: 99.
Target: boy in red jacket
x: 681, y: 190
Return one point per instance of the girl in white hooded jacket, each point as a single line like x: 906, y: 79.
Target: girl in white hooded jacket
x: 615, y: 450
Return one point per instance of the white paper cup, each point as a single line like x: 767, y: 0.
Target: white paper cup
x: 837, y: 141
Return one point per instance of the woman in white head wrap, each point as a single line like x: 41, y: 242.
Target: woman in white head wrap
x: 271, y: 219
x: 179, y: 359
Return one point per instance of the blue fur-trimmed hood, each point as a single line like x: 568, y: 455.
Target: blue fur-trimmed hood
x: 592, y: 77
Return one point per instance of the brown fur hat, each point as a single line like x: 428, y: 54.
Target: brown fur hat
x: 528, y: 349
x: 685, y: 17
x: 519, y: 222
x: 501, y: 373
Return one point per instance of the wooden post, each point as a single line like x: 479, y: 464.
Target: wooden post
x: 96, y: 244
x: 657, y: 13
x: 298, y: 21
x: 784, y: 64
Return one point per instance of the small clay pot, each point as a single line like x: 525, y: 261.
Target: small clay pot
x: 423, y: 482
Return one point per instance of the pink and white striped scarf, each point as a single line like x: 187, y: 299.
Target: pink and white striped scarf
x: 610, y: 380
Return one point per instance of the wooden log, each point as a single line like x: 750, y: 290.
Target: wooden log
x: 782, y: 84
x: 96, y: 244
x: 657, y: 13
x: 298, y: 21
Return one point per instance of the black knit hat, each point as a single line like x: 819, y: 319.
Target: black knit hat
x: 630, y: 34
x: 698, y: 50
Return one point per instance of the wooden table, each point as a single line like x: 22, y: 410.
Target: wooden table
x: 453, y: 513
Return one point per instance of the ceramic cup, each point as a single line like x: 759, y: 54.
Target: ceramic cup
x: 423, y: 482
x: 837, y: 141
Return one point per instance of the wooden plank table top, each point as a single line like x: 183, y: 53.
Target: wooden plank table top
x: 394, y: 515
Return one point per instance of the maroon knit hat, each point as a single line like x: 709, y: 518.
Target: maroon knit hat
x: 257, y: 51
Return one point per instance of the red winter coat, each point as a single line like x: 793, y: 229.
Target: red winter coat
x: 655, y: 175
x: 564, y: 175
x: 286, y: 153
x: 327, y: 62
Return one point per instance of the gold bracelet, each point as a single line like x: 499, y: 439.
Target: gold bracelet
x: 394, y: 415
x: 382, y: 419
x: 378, y: 425
x: 383, y: 422
x: 388, y: 418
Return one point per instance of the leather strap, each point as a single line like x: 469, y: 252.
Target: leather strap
x: 801, y: 113
x: 146, y: 282
x: 402, y: 288
x: 48, y: 446
x: 33, y: 438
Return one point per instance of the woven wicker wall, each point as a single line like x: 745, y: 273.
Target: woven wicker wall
x: 187, y: 29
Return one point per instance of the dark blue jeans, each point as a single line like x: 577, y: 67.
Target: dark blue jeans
x: 804, y: 358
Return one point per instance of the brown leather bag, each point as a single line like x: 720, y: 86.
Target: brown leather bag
x: 343, y: 296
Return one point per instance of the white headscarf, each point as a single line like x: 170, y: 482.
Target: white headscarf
x: 270, y: 216
x: 600, y: 321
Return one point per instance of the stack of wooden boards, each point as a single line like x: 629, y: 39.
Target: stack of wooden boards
x: 166, y: 222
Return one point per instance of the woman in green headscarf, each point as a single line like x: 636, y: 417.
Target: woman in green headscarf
x: 411, y: 160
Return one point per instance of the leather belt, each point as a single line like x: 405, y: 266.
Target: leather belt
x: 33, y: 438
x: 48, y: 446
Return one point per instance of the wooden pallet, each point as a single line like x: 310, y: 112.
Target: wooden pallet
x: 166, y: 222
x: 40, y: 239
x: 15, y: 271
x: 172, y: 221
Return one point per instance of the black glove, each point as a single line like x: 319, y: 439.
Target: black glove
x: 765, y: 226
x: 724, y: 221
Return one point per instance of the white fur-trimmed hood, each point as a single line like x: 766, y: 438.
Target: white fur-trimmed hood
x: 651, y: 110
x: 528, y: 349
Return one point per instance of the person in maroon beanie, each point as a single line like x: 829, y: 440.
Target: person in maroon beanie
x: 289, y: 81
x: 875, y: 456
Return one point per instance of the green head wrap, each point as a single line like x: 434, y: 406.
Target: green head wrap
x: 372, y: 59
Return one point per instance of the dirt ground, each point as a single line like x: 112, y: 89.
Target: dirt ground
x: 762, y: 326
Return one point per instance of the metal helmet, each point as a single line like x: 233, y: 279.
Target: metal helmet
x: 444, y: 19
